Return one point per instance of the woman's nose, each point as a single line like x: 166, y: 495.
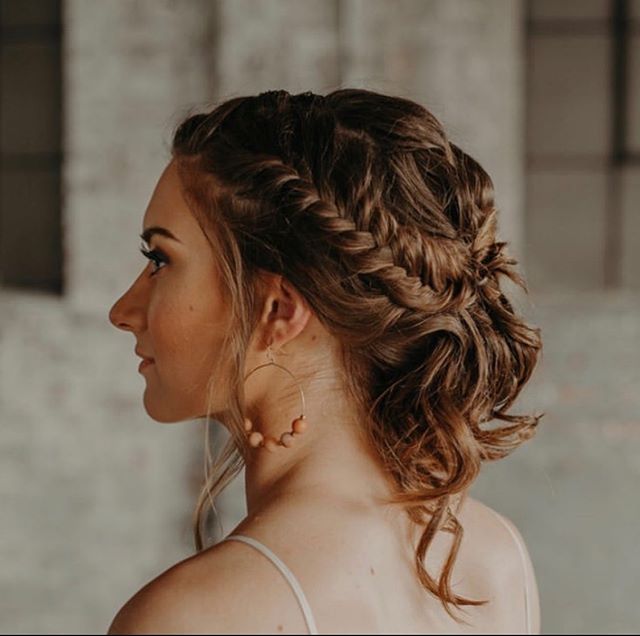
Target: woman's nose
x: 129, y: 311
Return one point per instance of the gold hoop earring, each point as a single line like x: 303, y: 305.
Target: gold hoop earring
x: 298, y: 425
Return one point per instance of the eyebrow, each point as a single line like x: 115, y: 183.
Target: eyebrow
x: 150, y: 231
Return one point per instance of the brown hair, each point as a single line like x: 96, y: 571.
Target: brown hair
x: 389, y: 232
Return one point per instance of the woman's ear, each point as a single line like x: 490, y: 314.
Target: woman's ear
x: 285, y: 312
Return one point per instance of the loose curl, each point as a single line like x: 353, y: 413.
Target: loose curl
x: 388, y: 231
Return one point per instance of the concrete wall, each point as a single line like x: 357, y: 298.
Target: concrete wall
x: 571, y: 491
x: 97, y: 498
x: 582, y: 227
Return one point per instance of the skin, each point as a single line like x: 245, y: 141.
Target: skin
x: 317, y: 504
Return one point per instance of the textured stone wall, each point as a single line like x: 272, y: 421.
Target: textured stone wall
x: 572, y: 489
x: 96, y: 496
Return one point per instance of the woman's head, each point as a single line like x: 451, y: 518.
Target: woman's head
x: 387, y: 230
x: 179, y: 313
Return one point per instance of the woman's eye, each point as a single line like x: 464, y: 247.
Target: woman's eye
x: 156, y: 257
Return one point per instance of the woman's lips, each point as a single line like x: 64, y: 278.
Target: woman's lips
x: 145, y: 363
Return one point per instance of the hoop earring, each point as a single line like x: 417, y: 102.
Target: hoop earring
x: 298, y: 425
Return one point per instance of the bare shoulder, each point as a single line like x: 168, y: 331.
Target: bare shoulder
x: 232, y: 588
x: 496, y: 538
x: 219, y: 591
x: 166, y: 604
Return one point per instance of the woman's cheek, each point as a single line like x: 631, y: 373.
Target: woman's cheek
x: 164, y: 328
x: 186, y: 327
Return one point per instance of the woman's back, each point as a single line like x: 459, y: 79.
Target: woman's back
x: 358, y: 576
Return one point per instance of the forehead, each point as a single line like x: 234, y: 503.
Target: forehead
x: 167, y: 207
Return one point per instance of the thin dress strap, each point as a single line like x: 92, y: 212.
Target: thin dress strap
x: 524, y: 567
x: 286, y: 572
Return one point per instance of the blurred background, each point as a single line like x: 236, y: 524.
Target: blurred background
x: 95, y: 497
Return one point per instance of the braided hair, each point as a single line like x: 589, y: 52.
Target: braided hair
x: 388, y: 230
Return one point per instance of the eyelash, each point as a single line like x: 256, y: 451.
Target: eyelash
x: 156, y: 256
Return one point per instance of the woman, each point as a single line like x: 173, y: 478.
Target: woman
x: 324, y: 283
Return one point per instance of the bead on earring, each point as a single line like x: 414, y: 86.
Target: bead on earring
x: 298, y: 425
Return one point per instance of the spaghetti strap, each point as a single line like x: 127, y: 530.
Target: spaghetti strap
x: 518, y: 541
x: 286, y: 572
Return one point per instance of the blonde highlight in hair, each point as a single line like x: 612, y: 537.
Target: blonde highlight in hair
x: 388, y: 230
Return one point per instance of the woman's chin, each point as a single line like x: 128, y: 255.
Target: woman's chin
x: 162, y: 414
